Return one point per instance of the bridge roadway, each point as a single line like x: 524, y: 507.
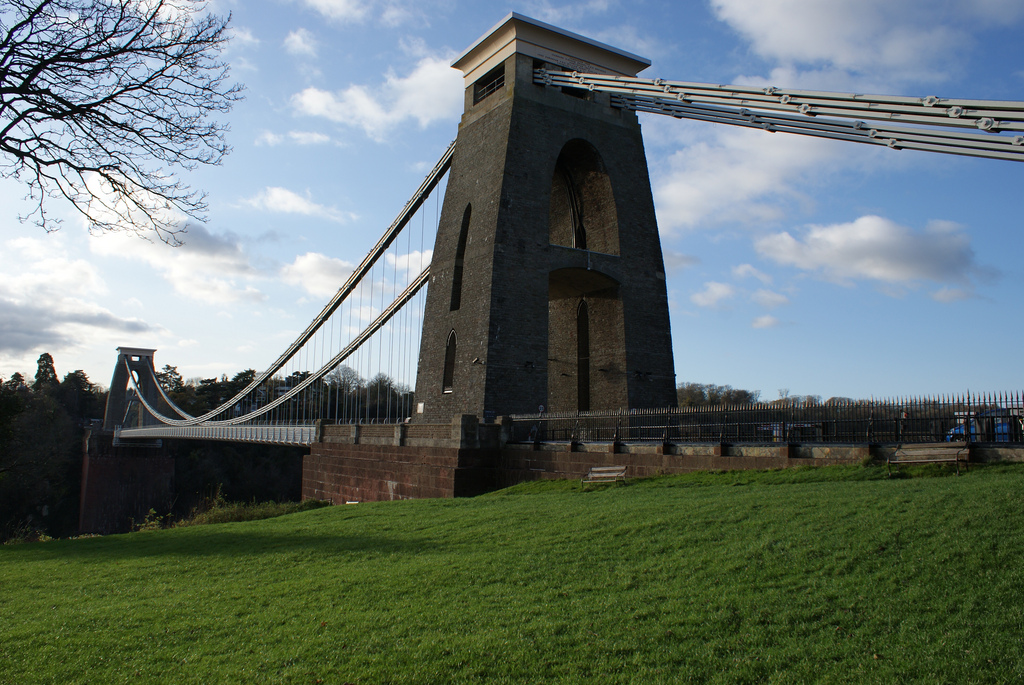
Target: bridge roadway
x: 301, y: 435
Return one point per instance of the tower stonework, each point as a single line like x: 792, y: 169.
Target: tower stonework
x: 547, y: 284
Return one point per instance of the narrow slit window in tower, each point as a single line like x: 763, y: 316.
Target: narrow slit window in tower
x: 583, y: 357
x: 460, y: 255
x: 448, y: 381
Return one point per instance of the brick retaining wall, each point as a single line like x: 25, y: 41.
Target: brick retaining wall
x: 369, y: 473
x: 342, y: 472
x: 121, y: 484
x: 553, y: 461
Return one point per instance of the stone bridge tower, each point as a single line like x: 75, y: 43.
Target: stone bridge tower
x: 547, y: 284
x: 137, y: 361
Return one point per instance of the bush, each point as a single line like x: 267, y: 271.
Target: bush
x: 216, y: 509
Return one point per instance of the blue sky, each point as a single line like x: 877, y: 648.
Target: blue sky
x: 816, y: 266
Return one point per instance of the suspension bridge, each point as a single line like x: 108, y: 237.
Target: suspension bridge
x: 536, y: 286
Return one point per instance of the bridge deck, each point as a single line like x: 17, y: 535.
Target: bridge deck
x: 267, y: 434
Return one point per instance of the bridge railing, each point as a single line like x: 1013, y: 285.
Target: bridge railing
x: 974, y: 418
x: 461, y: 432
x: 263, y: 433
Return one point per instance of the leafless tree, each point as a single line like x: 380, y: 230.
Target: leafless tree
x: 102, y: 102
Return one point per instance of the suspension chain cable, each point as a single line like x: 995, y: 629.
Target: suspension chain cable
x: 973, y: 128
x: 355, y: 344
x: 355, y: 279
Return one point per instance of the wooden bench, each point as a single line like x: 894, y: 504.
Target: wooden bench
x: 930, y: 453
x: 604, y: 474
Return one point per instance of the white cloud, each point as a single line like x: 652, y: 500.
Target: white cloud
x: 565, y: 14
x: 31, y: 249
x: 396, y: 15
x: 738, y: 175
x: 308, y: 137
x: 284, y: 201
x: 243, y: 64
x: 769, y: 299
x: 269, y: 138
x: 630, y: 38
x: 948, y: 294
x: 579, y: 17
x: 909, y: 39
x: 140, y: 214
x: 317, y: 274
x: 675, y: 261
x: 390, y: 13
x: 996, y: 11
x: 766, y: 321
x: 413, y: 262
x: 825, y: 78
x: 45, y: 271
x: 47, y: 303
x: 242, y: 37
x: 432, y: 92
x: 298, y: 137
x: 28, y: 328
x: 340, y: 10
x: 208, y: 267
x: 301, y: 43
x: 875, y: 248
x: 749, y: 271
x: 713, y: 294
x: 53, y: 275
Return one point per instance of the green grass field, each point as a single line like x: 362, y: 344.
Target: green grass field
x: 828, y: 575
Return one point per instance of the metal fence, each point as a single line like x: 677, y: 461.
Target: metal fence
x: 986, y: 418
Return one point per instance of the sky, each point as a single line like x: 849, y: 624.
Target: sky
x: 794, y: 265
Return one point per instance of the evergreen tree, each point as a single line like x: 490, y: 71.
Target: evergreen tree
x: 46, y: 375
x: 169, y: 379
x: 79, y: 396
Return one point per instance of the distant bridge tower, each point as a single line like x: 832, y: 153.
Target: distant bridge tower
x: 547, y: 285
x: 138, y: 361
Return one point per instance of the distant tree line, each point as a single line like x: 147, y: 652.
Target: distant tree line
x: 342, y: 395
x: 708, y: 394
x: 353, y: 399
x: 199, y: 395
x: 42, y: 426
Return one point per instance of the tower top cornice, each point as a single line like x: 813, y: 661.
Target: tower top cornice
x: 517, y: 33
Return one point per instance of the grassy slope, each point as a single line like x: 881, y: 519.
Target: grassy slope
x: 835, y: 575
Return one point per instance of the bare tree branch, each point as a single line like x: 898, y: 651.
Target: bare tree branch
x: 102, y: 101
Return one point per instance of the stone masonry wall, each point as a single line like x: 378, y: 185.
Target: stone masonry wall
x: 503, y: 168
x: 347, y: 472
x: 372, y: 473
x: 550, y: 461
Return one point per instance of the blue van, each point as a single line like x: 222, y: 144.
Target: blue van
x: 995, y: 425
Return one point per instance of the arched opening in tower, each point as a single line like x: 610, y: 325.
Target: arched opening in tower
x: 586, y: 342
x: 586, y: 332
x: 582, y: 212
